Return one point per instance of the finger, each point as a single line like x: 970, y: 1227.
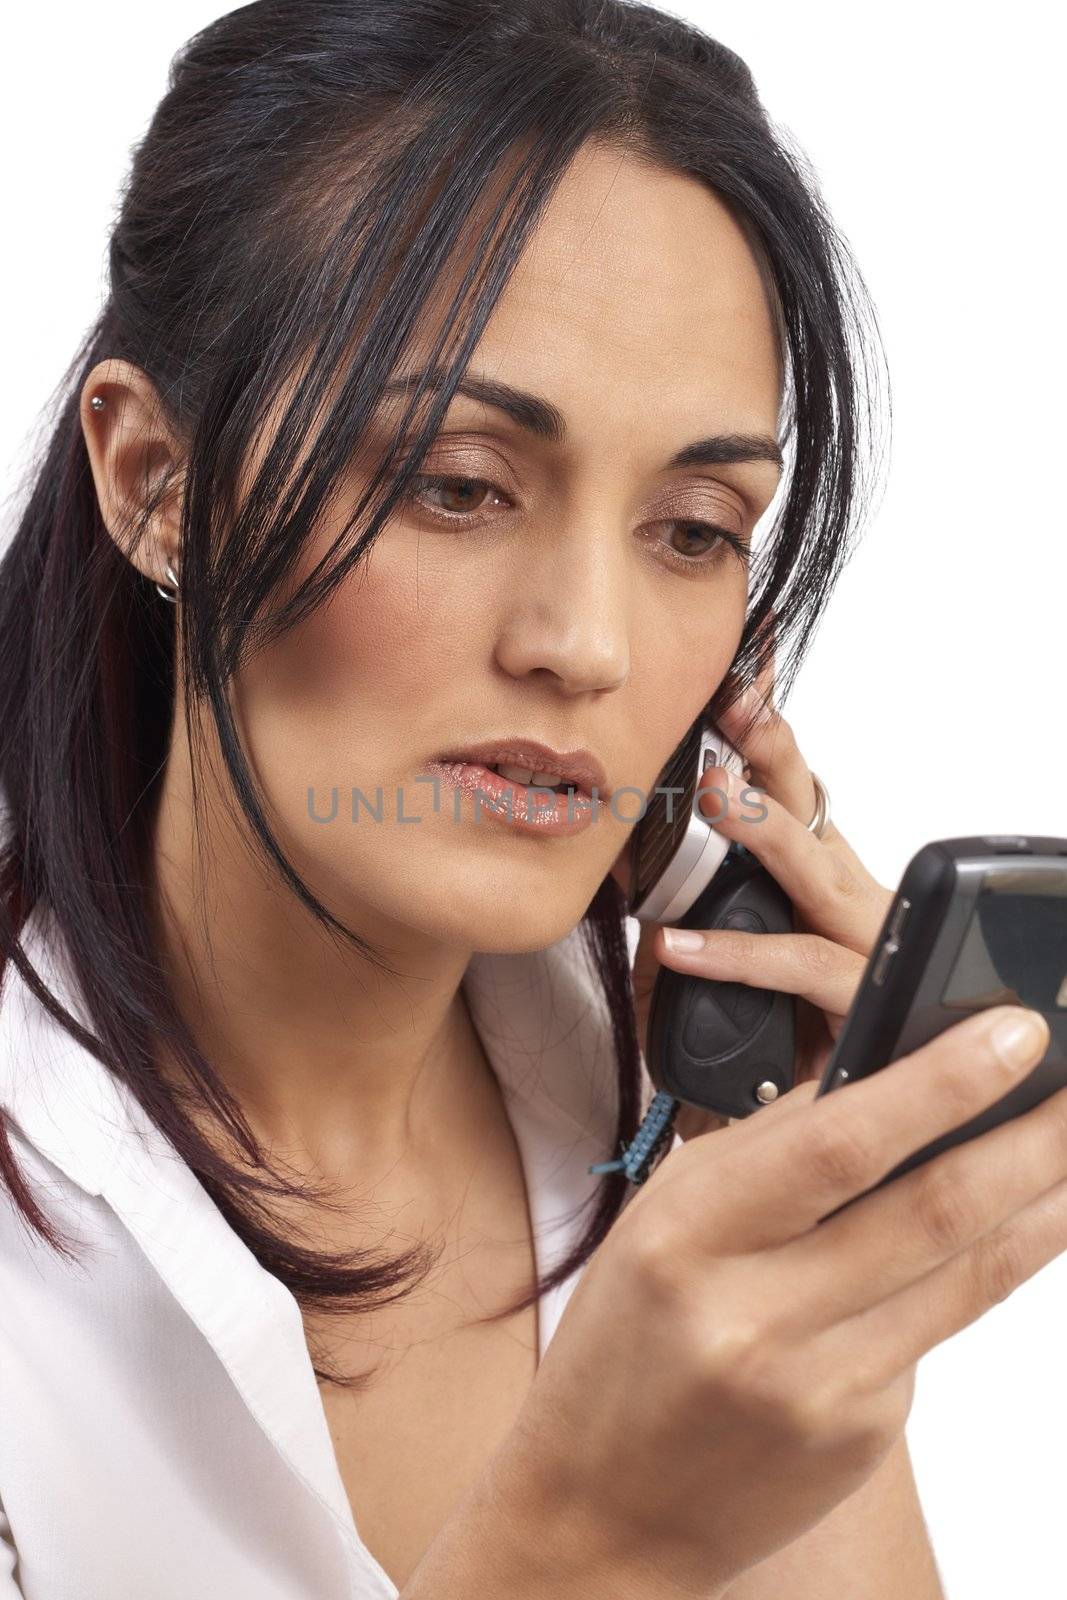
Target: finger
x: 799, y: 1170
x: 766, y: 741
x: 902, y: 1328
x: 692, y: 1122
x: 900, y: 1233
x: 805, y: 964
x: 841, y: 899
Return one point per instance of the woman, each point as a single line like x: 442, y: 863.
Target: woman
x: 451, y: 356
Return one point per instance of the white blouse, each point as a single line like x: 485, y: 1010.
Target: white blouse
x: 162, y: 1435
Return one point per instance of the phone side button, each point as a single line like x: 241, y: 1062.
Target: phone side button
x: 899, y: 918
x: 881, y: 967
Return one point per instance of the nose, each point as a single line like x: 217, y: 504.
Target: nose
x: 570, y: 616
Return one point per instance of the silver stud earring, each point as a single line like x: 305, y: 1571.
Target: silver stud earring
x: 98, y: 402
x: 169, y: 594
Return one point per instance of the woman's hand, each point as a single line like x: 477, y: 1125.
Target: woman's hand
x: 738, y: 1357
x: 839, y: 906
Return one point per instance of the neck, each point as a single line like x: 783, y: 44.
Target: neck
x: 337, y: 1066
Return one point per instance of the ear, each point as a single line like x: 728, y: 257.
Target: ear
x: 132, y: 452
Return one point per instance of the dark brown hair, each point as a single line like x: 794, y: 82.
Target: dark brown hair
x: 307, y: 180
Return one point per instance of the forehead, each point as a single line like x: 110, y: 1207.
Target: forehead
x: 638, y: 297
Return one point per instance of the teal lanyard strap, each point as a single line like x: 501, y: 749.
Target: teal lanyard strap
x: 651, y: 1137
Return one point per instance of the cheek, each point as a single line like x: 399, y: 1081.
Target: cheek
x: 683, y: 665
x: 336, y: 696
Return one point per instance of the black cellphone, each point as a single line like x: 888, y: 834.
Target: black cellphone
x: 976, y: 922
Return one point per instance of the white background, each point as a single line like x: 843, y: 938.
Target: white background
x: 931, y: 703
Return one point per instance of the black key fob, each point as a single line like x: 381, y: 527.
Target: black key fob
x: 724, y: 1046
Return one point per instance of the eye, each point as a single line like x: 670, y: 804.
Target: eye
x: 464, y: 492
x: 706, y: 545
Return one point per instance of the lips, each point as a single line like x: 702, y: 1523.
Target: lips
x: 578, y: 768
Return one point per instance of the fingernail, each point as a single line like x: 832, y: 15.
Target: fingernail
x: 683, y: 938
x: 1017, y: 1039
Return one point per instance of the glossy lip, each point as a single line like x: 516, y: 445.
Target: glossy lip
x: 578, y: 767
x: 516, y: 805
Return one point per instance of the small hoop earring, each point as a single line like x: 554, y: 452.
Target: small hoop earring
x: 98, y: 402
x: 169, y: 594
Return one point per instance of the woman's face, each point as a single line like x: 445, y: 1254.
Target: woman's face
x: 561, y: 590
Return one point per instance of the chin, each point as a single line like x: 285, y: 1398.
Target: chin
x: 513, y: 927
x: 490, y: 911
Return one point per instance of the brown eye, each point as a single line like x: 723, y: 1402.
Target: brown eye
x: 703, y: 545
x: 698, y: 538
x: 462, y: 496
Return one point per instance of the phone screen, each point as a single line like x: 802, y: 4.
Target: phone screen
x: 1013, y: 950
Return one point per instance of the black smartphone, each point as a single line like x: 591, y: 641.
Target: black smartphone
x: 976, y: 922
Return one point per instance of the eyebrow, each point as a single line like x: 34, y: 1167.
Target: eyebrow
x: 545, y: 421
